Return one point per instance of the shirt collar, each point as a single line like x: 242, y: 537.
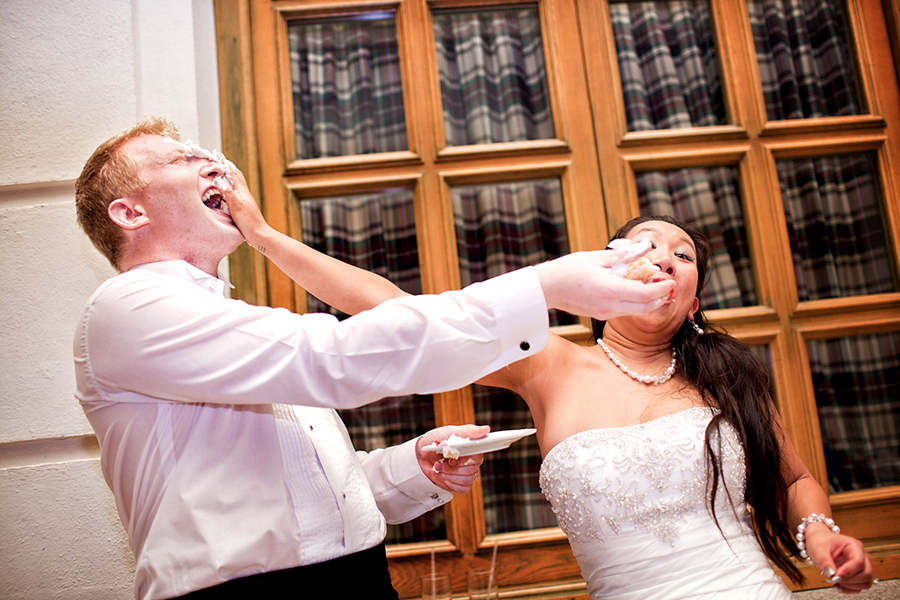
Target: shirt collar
x: 185, y: 270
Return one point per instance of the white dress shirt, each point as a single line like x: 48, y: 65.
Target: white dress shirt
x: 216, y: 419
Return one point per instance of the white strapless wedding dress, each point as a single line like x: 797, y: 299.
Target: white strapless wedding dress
x: 633, y: 503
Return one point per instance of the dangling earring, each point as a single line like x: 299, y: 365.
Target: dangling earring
x: 696, y: 327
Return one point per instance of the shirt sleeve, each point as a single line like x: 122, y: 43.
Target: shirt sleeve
x: 402, y: 492
x: 150, y: 335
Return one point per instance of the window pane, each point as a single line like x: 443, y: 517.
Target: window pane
x: 709, y: 199
x: 347, y: 92
x: 503, y: 227
x: 833, y: 209
x: 857, y: 384
x: 512, y: 494
x: 377, y: 232
x: 668, y: 64
x: 802, y: 49
x: 493, y: 76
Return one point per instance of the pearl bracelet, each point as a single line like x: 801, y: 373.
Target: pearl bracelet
x: 801, y: 531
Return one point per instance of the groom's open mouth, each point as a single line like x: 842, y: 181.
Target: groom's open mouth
x: 213, y: 199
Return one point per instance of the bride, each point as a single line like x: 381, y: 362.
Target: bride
x: 657, y: 439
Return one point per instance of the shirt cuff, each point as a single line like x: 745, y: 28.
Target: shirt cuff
x: 412, y: 493
x: 520, y: 310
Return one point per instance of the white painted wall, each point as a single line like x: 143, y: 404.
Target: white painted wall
x: 72, y: 73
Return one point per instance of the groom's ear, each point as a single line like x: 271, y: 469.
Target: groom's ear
x: 127, y: 214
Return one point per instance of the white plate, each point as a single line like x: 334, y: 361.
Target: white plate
x: 495, y: 440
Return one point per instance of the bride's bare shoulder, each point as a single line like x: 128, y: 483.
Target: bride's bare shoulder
x: 558, y: 359
x: 530, y: 371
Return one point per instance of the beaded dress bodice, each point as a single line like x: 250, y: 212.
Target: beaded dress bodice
x: 633, y: 503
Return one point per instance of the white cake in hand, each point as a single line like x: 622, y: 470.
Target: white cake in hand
x: 628, y: 267
x: 447, y: 447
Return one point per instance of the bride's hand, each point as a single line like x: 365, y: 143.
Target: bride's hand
x: 841, y: 556
x: 243, y: 208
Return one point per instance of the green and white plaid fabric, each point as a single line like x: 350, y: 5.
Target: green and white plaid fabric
x: 493, y: 76
x: 803, y: 53
x: 376, y: 232
x: 833, y: 209
x: 832, y: 205
x: 347, y: 88
x: 348, y: 100
x: 668, y: 64
x: 857, y: 379
x: 504, y: 227
x: 512, y: 495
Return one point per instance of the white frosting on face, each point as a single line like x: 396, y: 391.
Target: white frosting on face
x: 224, y: 181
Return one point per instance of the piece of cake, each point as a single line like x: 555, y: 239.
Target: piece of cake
x: 629, y: 267
x: 641, y: 270
x: 448, y: 448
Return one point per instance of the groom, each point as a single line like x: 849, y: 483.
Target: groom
x: 232, y: 472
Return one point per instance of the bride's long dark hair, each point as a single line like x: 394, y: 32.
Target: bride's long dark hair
x: 733, y: 379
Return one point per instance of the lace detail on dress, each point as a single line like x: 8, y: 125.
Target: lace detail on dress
x: 603, y: 482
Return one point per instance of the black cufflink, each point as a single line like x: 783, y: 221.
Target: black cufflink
x: 525, y: 346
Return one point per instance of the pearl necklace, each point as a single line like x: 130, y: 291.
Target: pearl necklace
x: 648, y: 379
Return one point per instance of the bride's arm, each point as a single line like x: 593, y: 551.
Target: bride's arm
x: 845, y: 555
x: 339, y: 284
x: 532, y: 378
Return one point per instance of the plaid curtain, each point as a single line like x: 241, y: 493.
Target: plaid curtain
x: 836, y: 226
x: 668, y: 64
x: 708, y: 198
x: 856, y: 380
x: 375, y: 232
x: 509, y: 479
x: 832, y: 204
x: 347, y: 92
x: 500, y: 228
x: 493, y: 76
x: 803, y: 53
x: 840, y: 249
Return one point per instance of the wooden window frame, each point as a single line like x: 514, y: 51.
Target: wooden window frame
x: 596, y: 167
x: 754, y: 144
